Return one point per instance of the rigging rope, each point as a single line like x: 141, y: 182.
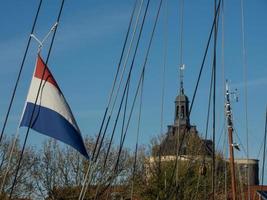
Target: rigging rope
x: 206, y: 131
x: 139, y: 82
x: 129, y: 75
x: 13, y: 96
x: 121, y: 78
x: 115, y: 169
x: 121, y: 138
x: 122, y: 131
x: 137, y: 136
x: 181, y: 31
x: 238, y: 137
x: 223, y: 90
x: 181, y: 87
x: 209, y: 105
x: 264, y: 151
x: 214, y: 104
x: 124, y: 91
x: 244, y: 56
x: 178, y: 145
x: 39, y: 89
x: 143, y: 71
x: 217, y: 12
x: 125, y: 110
x: 205, y: 55
x: 206, y: 135
x: 259, y: 152
x: 116, y: 76
x: 110, y: 97
x: 17, y: 131
x: 128, y: 53
x: 116, y: 121
x: 20, y: 70
x: 165, y: 44
x: 106, y: 156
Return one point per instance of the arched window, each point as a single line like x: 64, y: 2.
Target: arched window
x: 182, y: 112
x: 177, y: 111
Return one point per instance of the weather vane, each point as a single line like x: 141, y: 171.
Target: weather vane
x: 182, y: 68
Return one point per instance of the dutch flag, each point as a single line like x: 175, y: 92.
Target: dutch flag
x: 52, y: 115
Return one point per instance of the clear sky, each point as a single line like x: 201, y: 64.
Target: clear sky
x: 87, y: 49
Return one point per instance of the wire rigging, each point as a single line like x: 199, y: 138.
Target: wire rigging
x: 223, y: 90
x: 128, y: 53
x: 121, y: 78
x: 264, y: 151
x: 205, y: 55
x: 124, y: 91
x: 115, y: 168
x: 214, y: 104
x: 205, y: 137
x: 143, y: 70
x: 37, y: 96
x: 178, y: 145
x: 137, y: 136
x: 181, y: 32
x: 165, y: 44
x: 181, y: 17
x: 20, y: 70
x: 217, y: 13
x: 244, y: 60
x: 138, y: 90
x: 109, y: 100
x: 129, y: 75
x: 124, y: 113
x: 116, y: 76
x: 206, y: 131
x: 121, y: 137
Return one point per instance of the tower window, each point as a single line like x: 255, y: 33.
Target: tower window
x: 182, y: 112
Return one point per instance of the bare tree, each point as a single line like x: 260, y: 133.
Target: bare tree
x: 24, y: 187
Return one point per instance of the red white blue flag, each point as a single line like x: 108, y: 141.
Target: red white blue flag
x: 52, y: 115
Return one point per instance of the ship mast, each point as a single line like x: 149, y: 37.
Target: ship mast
x: 230, y: 138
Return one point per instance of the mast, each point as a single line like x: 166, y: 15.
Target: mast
x: 230, y: 137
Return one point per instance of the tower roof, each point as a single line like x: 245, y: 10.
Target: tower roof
x: 181, y: 97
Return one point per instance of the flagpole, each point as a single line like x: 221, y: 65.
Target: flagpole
x: 31, y: 119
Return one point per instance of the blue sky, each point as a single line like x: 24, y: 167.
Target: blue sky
x: 87, y: 49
